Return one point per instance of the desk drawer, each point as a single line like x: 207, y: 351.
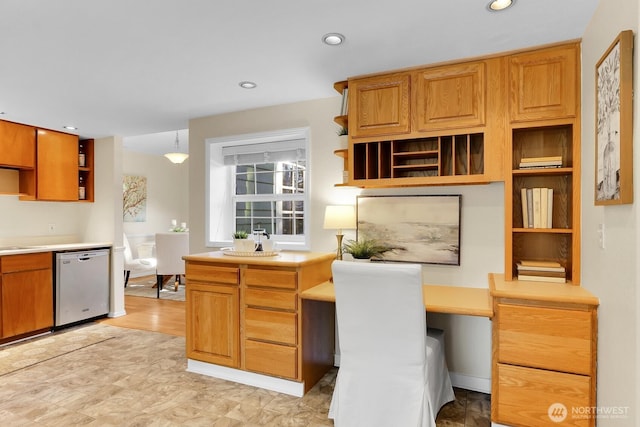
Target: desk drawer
x: 525, y: 395
x: 203, y: 272
x: 267, y: 325
x: 273, y: 299
x: 271, y: 278
x: 271, y: 359
x: 548, y: 338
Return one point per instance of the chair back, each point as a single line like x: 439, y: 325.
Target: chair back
x: 170, y: 248
x: 382, y: 333
x: 128, y: 255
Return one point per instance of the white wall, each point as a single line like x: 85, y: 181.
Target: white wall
x: 482, y: 238
x: 611, y: 273
x: 167, y: 194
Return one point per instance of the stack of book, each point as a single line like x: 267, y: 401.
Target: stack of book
x: 541, y: 271
x: 541, y: 162
x: 537, y: 207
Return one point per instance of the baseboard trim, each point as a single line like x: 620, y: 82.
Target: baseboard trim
x: 280, y: 385
x: 117, y: 313
x: 469, y: 382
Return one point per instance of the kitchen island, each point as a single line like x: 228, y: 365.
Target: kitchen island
x: 247, y: 323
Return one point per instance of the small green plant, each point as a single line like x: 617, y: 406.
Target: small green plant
x: 240, y: 234
x: 365, y: 248
x: 342, y: 131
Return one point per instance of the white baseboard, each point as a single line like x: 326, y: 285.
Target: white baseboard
x: 469, y: 382
x: 280, y: 385
x: 117, y: 313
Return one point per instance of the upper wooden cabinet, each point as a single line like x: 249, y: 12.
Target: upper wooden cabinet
x: 379, y: 105
x: 544, y: 84
x: 449, y: 97
x: 17, y: 145
x: 57, y: 170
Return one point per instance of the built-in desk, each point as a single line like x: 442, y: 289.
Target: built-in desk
x: 437, y: 298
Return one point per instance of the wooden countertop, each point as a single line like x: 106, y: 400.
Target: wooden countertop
x: 282, y: 259
x: 540, y: 291
x: 437, y: 298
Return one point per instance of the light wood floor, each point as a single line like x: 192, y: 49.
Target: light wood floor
x: 150, y: 314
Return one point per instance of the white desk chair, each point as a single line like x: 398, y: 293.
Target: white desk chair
x: 170, y: 248
x: 134, y: 264
x: 391, y: 373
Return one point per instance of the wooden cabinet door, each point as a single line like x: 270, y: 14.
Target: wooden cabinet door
x: 544, y: 84
x: 17, y: 145
x: 213, y: 332
x: 27, y: 302
x: 379, y: 105
x: 450, y: 97
x: 57, y: 172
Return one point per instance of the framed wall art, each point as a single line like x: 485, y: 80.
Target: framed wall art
x: 422, y: 229
x: 134, y: 198
x: 614, y: 138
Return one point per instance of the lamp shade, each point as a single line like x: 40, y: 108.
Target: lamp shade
x: 339, y: 217
x: 176, y: 157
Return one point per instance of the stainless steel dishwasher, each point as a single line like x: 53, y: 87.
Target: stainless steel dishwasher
x: 82, y: 286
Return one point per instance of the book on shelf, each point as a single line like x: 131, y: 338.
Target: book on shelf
x: 542, y: 273
x: 534, y: 263
x: 542, y: 279
x: 540, y: 162
x: 345, y: 102
x: 537, y: 207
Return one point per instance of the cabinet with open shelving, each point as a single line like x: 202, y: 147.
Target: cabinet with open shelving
x: 448, y: 157
x: 86, y: 170
x: 561, y: 242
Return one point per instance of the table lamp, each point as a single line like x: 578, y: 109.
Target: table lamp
x: 339, y: 217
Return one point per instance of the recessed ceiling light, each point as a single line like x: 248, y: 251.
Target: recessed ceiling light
x: 333, y: 39
x: 247, y: 85
x: 497, y: 5
x: 71, y: 128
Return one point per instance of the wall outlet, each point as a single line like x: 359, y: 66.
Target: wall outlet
x: 51, y: 228
x: 601, y: 235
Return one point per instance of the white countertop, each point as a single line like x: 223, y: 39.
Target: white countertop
x: 28, y: 249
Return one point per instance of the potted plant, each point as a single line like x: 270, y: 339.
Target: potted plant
x: 344, y: 137
x: 365, y: 249
x: 240, y: 238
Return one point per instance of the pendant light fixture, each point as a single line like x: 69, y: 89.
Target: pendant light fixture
x: 177, y: 156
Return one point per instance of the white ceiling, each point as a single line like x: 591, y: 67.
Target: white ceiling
x: 133, y: 68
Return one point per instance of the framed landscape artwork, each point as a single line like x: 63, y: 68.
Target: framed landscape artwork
x: 614, y: 97
x: 422, y: 229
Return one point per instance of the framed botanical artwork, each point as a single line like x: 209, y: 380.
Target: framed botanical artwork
x: 422, y: 229
x: 134, y: 198
x: 614, y: 127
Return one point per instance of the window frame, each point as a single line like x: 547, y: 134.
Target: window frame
x: 213, y: 147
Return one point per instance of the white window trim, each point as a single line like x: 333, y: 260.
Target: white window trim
x: 212, y: 144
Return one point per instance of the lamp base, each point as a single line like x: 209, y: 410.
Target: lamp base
x: 339, y: 253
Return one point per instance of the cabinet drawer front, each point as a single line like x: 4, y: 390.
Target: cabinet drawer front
x: 525, y: 395
x: 207, y: 273
x: 547, y: 338
x: 271, y: 359
x: 272, y: 299
x: 25, y: 262
x: 271, y: 278
x: 270, y: 325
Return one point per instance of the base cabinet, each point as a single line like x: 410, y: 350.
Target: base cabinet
x: 246, y: 313
x: 544, y: 354
x: 26, y: 292
x: 212, y: 300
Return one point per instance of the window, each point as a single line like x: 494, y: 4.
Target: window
x: 258, y: 181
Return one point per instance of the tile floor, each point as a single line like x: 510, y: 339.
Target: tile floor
x: 101, y: 375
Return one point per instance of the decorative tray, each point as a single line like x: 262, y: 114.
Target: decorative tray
x: 233, y: 252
